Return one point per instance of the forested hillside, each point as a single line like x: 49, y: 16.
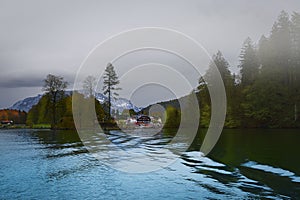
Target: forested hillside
x: 266, y: 92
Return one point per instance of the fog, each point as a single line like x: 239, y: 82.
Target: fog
x: 41, y: 37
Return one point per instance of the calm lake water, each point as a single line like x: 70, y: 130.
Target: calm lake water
x: 245, y: 164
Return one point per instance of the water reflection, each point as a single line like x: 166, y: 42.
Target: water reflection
x: 242, y: 165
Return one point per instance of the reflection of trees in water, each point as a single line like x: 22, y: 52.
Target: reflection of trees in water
x: 57, y: 137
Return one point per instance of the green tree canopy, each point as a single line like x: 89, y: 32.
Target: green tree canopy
x: 54, y: 86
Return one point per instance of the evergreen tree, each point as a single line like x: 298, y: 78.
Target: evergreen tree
x: 229, y: 82
x: 295, y: 32
x: 223, y: 68
x: 280, y: 49
x: 268, y: 101
x: 249, y: 65
x: 110, y: 84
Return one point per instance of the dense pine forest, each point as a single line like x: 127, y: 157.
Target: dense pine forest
x: 266, y: 92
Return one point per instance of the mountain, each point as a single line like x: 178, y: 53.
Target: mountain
x: 117, y: 104
x: 121, y: 103
x: 26, y: 104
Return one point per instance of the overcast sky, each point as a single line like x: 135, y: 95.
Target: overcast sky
x: 40, y: 37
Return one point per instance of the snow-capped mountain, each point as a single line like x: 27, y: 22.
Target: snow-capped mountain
x: 121, y: 103
x: 117, y: 104
x: 100, y: 97
x: 26, y: 104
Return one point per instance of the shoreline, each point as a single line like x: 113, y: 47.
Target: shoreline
x: 117, y: 128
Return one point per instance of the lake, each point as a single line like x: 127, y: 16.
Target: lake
x: 245, y: 164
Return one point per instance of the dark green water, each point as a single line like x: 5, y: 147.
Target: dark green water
x: 245, y: 164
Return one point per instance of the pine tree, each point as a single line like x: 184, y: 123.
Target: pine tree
x: 249, y: 65
x: 223, y: 68
x: 280, y: 49
x: 110, y: 84
x: 295, y: 32
x: 229, y: 82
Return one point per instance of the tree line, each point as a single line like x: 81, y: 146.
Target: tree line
x: 55, y: 107
x: 17, y: 116
x: 266, y: 92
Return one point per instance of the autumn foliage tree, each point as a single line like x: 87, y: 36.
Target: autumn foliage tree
x: 17, y: 116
